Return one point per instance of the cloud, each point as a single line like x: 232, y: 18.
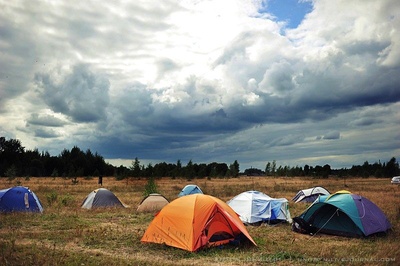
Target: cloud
x: 17, y: 58
x: 365, y: 121
x: 332, y: 135
x: 207, y: 80
x: 81, y: 95
x: 287, y: 140
x: 45, y: 133
x: 45, y: 120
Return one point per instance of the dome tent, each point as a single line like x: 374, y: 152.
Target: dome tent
x: 196, y: 221
x: 310, y: 194
x: 256, y: 207
x: 19, y: 199
x: 101, y: 198
x: 189, y: 190
x: 343, y: 214
x: 152, y: 202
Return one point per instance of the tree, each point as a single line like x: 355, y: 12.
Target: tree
x: 273, y: 168
x: 326, y: 171
x: 136, y: 168
x: 306, y: 170
x: 149, y: 171
x: 178, y: 169
x: 234, y: 169
x: 11, y: 172
x: 11, y: 153
x: 392, y: 168
x: 121, y: 172
x: 253, y: 172
x: 268, y: 168
x: 189, y: 170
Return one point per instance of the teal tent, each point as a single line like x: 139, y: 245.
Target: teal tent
x: 342, y: 213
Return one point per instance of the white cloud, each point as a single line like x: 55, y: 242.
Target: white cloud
x: 214, y: 80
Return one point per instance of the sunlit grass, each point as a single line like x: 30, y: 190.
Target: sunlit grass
x: 65, y: 234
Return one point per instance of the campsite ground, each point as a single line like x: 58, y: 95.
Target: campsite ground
x: 65, y: 234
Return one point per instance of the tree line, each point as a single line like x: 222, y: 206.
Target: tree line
x: 190, y: 170
x: 15, y: 160
x: 377, y: 169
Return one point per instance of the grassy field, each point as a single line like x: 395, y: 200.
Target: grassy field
x: 65, y: 234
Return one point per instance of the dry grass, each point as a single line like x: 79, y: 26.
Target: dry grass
x: 65, y: 234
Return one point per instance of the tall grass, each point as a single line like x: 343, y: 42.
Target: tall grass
x: 65, y: 234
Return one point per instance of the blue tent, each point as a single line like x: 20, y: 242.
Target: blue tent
x: 19, y: 199
x: 190, y: 189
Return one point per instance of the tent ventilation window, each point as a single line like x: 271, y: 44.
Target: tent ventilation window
x: 26, y: 200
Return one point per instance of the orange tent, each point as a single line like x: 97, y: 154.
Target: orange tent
x: 195, y: 221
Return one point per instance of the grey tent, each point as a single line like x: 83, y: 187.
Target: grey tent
x: 101, y: 198
x: 310, y: 194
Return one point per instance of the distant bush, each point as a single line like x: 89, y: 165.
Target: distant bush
x: 151, y: 187
x: 120, y: 177
x: 51, y: 197
x: 66, y: 200
x: 75, y: 180
x: 11, y: 173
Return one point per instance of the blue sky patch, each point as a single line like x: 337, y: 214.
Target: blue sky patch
x: 291, y: 11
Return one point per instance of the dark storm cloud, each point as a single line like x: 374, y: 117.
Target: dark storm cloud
x: 366, y: 121
x: 323, y: 95
x: 133, y: 110
x: 81, y: 95
x: 45, y: 120
x: 17, y: 52
x: 45, y: 133
x: 140, y: 113
x: 287, y: 140
x: 332, y: 135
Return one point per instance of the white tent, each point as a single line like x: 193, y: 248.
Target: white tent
x: 310, y: 194
x: 255, y: 207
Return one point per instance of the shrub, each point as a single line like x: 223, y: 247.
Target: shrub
x: 75, y: 181
x: 151, y: 187
x: 66, y: 200
x: 51, y: 197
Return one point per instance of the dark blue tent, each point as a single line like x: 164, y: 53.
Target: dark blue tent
x: 19, y: 199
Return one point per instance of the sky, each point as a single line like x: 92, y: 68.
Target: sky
x: 297, y: 82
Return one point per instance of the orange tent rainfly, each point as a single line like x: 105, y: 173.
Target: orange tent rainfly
x: 195, y: 221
